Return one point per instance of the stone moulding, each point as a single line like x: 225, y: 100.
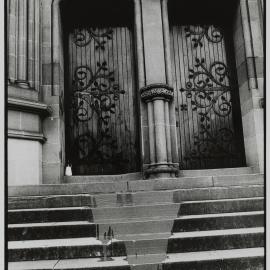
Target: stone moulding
x: 26, y: 135
x: 25, y: 105
x: 156, y: 91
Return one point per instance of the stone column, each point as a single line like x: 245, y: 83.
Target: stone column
x: 159, y: 158
x: 23, y: 44
x: 248, y: 44
x: 157, y: 98
x: 22, y: 47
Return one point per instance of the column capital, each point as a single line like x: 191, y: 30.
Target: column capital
x: 156, y: 91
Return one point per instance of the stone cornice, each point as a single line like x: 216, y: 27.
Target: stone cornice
x: 26, y: 135
x: 25, y: 105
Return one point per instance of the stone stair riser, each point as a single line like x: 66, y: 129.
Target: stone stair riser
x: 65, y: 252
x: 216, y: 223
x: 138, y: 198
x: 141, y: 247
x: 256, y: 263
x: 179, y: 225
x: 217, y: 193
x: 49, y: 215
x: 193, y: 244
x: 214, y: 207
x: 51, y: 232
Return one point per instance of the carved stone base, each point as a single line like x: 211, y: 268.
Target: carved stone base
x: 22, y: 84
x: 161, y: 170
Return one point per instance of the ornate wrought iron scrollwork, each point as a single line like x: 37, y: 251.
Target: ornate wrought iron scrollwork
x: 203, y: 93
x: 209, y: 91
x: 212, y: 33
x: 83, y: 37
x: 95, y: 93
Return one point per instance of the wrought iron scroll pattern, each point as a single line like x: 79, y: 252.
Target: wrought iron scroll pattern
x: 95, y: 96
x: 204, y: 98
x: 83, y: 36
x: 212, y: 33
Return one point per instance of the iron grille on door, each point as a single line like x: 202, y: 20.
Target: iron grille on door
x: 209, y: 135
x: 101, y: 127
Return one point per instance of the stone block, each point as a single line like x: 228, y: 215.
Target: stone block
x: 47, y: 95
x: 14, y: 119
x: 51, y: 130
x: 244, y: 92
x: 51, y: 153
x: 24, y: 157
x: 242, y: 74
x: 259, y: 62
x: 239, y: 180
x: 240, y: 55
x: 249, y: 124
x: 31, y: 94
x: 51, y: 173
x: 30, y: 122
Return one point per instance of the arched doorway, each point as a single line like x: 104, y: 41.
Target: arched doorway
x: 207, y: 108
x: 100, y: 91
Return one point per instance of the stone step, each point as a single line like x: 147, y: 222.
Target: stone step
x: 135, y: 198
x: 138, y: 175
x: 51, y: 230
x: 73, y: 229
x: 216, y: 240
x: 118, y: 263
x: 240, y: 259
x: 216, y: 172
x: 68, y: 248
x: 108, y: 214
x: 218, y: 221
x: 111, y: 178
x: 137, y: 185
x: 148, y: 244
x: 221, y: 206
x: 49, y: 215
x: 233, y: 259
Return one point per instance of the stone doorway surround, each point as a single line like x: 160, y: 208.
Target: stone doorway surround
x: 158, y: 138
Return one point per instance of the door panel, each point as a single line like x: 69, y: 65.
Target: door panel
x: 102, y: 130
x: 207, y: 108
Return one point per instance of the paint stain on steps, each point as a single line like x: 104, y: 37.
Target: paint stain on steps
x: 144, y: 234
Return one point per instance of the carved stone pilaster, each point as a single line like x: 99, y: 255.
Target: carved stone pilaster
x: 157, y: 96
x: 23, y: 43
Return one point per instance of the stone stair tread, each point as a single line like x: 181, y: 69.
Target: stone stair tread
x: 215, y: 255
x: 134, y: 220
x: 224, y: 200
x: 67, y: 264
x: 93, y: 241
x: 48, y: 209
x: 84, y: 241
x: 144, y: 236
x: 121, y: 261
x: 48, y: 224
x: 233, y: 214
x: 217, y: 232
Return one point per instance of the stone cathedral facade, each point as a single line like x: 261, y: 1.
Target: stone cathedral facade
x: 135, y: 134
x: 133, y: 86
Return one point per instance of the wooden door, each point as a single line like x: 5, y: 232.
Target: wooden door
x: 102, y: 135
x: 207, y: 106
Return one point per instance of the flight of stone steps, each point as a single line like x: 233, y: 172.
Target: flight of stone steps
x: 210, y: 219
